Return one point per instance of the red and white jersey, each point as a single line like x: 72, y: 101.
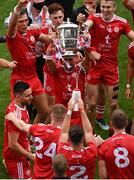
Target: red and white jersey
x: 46, y: 138
x: 65, y: 83
x: 9, y: 127
x: 81, y: 163
x: 105, y: 36
x: 131, y: 50
x: 48, y: 81
x: 118, y: 154
x: 22, y: 50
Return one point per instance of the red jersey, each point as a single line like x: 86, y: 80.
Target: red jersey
x: 106, y: 41
x: 131, y: 50
x: 22, y: 49
x: 118, y: 155
x: 46, y: 138
x: 65, y: 83
x: 48, y: 81
x: 9, y: 127
x: 81, y: 163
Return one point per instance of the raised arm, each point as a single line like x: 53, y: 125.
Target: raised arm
x: 66, y: 123
x: 86, y: 123
x: 20, y: 124
x: 12, y: 28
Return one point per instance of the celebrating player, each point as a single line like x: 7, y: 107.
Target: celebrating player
x: 21, y: 44
x: 116, y: 155
x: 46, y: 138
x: 105, y: 70
x: 16, y: 148
x: 81, y: 160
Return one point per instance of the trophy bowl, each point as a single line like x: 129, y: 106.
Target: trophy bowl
x: 68, y: 37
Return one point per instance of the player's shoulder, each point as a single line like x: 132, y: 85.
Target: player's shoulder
x: 52, y: 128
x: 107, y: 142
x: 121, y: 19
x: 11, y: 106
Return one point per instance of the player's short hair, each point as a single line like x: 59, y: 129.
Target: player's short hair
x: 119, y: 119
x: 23, y: 11
x: 59, y: 164
x: 20, y: 87
x: 55, y: 7
x: 58, y: 111
x: 76, y: 134
x: 114, y: 2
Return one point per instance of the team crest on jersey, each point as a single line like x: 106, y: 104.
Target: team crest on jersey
x: 116, y: 29
x: 48, y: 88
x: 28, y: 172
x: 32, y: 38
x: 88, y: 77
x: 74, y: 75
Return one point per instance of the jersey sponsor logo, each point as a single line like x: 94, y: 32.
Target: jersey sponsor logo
x: 116, y: 29
x: 102, y: 26
x: 30, y: 55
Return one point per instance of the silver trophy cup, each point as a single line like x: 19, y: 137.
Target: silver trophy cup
x: 68, y: 37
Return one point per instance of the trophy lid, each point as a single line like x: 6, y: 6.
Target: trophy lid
x: 67, y: 25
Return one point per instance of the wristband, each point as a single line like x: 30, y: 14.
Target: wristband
x: 69, y: 112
